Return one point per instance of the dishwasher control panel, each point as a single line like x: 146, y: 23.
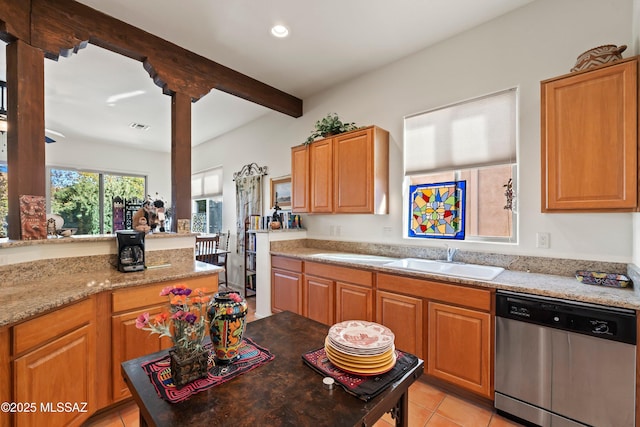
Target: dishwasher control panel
x: 590, y: 319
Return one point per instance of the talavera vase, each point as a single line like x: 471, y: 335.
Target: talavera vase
x: 227, y: 314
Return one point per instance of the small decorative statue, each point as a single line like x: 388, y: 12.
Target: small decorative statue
x: 146, y: 213
x: 276, y: 221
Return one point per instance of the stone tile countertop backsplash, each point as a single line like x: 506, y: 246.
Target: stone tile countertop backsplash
x: 549, y: 277
x: 33, y: 288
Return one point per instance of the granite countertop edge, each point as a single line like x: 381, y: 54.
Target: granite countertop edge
x: 27, y: 299
x: 548, y: 285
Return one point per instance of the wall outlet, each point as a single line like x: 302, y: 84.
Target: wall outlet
x: 542, y: 240
x: 338, y: 230
x: 387, y: 231
x: 332, y: 230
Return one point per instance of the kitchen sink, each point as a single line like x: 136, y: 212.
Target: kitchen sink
x: 355, y: 258
x: 470, y: 271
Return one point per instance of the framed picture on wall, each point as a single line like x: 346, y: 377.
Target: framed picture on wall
x: 281, y: 191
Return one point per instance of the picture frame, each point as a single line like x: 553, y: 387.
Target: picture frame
x: 281, y: 188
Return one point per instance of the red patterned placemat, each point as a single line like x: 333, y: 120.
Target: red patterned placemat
x: 363, y: 387
x: 159, y: 372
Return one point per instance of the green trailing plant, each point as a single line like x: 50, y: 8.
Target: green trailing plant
x: 330, y: 125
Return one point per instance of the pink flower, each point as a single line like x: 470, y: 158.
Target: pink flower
x: 142, y: 320
x: 177, y: 315
x: 235, y: 297
x: 166, y: 291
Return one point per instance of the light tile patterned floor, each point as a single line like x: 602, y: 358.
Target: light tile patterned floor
x: 428, y: 407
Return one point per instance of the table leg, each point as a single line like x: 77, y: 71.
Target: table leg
x: 401, y: 411
x: 143, y: 422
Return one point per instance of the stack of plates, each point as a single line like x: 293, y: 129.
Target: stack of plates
x: 360, y: 347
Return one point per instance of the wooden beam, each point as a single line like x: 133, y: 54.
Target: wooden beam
x: 61, y: 27
x: 15, y: 20
x: 180, y: 157
x: 25, y: 137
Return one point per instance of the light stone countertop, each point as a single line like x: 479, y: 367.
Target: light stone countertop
x: 549, y: 285
x: 24, y: 299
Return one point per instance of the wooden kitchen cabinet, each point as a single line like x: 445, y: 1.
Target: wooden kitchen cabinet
x: 321, y: 176
x: 300, y: 179
x: 459, y: 347
x: 286, y: 285
x: 353, y: 291
x: 353, y: 302
x: 5, y: 372
x: 457, y: 337
x: 55, y: 361
x: 319, y: 299
x: 361, y: 171
x: 348, y: 173
x: 589, y: 139
x: 404, y: 316
x: 129, y: 342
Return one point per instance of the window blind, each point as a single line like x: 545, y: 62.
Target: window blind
x: 473, y: 133
x: 207, y: 183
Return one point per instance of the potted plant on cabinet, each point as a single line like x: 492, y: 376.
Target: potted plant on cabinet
x: 330, y: 125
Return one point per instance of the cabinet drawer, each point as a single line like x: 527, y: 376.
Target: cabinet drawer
x: 286, y: 263
x: 454, y: 294
x: 143, y: 296
x: 339, y: 274
x: 37, y: 331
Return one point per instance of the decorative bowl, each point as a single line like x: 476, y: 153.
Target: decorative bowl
x: 613, y: 280
x: 598, y: 56
x: 67, y: 232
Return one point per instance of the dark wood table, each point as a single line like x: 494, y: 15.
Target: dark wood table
x: 283, y: 392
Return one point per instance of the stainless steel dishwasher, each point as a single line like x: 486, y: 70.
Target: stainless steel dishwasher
x: 564, y: 364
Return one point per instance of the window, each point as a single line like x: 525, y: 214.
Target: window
x: 472, y: 142
x: 84, y: 199
x: 206, y: 193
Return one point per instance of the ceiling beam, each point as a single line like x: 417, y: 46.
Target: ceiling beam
x: 62, y: 27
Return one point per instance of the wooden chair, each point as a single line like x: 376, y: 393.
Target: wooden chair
x: 223, y: 244
x: 206, y: 248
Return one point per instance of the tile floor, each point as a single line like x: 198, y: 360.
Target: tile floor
x: 428, y: 407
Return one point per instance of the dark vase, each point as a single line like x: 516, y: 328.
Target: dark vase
x: 226, y: 325
x: 187, y: 369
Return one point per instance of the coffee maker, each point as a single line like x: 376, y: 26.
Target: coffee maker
x: 130, y: 250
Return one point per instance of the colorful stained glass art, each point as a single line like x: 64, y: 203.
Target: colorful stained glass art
x: 437, y: 210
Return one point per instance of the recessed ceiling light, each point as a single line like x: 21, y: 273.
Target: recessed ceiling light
x: 280, y: 31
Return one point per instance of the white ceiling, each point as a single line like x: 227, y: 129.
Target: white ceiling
x: 330, y: 41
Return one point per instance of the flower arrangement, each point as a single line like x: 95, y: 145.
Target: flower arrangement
x: 186, y: 321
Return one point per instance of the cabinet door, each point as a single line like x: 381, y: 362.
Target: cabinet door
x: 589, y: 140
x: 300, y: 179
x: 321, y: 175
x: 129, y: 342
x: 5, y: 372
x: 61, y: 371
x: 353, y: 302
x: 353, y: 172
x: 404, y: 316
x: 286, y: 291
x: 319, y: 299
x: 459, y: 347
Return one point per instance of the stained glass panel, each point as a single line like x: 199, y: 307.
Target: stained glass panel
x: 437, y: 210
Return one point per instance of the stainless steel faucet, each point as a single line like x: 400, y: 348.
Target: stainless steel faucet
x: 451, y: 253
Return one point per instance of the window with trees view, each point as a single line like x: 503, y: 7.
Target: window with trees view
x: 84, y: 198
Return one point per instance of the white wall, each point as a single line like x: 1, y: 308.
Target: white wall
x: 536, y: 42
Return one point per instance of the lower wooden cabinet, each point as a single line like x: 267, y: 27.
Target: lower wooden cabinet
x: 459, y: 342
x: 5, y: 372
x: 353, y: 302
x: 129, y: 342
x: 319, y: 299
x: 404, y: 316
x: 55, y: 363
x: 286, y: 285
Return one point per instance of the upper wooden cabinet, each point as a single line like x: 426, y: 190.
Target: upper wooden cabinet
x: 589, y: 139
x: 348, y: 173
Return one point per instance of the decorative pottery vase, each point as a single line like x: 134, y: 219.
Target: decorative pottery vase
x: 227, y: 314
x: 187, y: 369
